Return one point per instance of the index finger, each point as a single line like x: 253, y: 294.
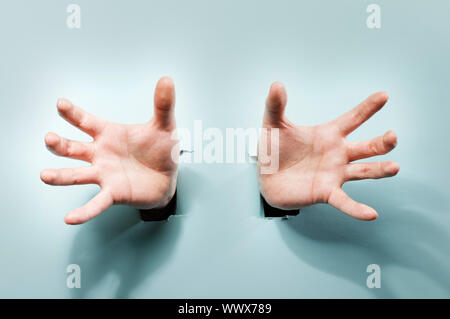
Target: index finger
x: 352, y: 119
x: 78, y: 117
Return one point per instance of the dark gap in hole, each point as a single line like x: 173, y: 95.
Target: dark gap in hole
x: 158, y: 214
x: 270, y: 211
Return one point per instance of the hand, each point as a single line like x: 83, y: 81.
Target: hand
x: 132, y: 163
x: 315, y: 161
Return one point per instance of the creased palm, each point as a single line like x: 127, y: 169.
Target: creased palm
x: 132, y: 163
x: 315, y: 161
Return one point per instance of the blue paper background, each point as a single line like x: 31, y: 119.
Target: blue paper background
x: 223, y: 56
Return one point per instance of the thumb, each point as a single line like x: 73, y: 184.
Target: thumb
x: 164, y: 101
x: 275, y: 104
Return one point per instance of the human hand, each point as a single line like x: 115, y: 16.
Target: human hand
x: 314, y: 161
x: 133, y: 164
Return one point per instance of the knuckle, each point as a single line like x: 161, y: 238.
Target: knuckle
x: 356, y: 117
x: 89, y: 154
x: 73, y: 176
x: 83, y: 123
x: 364, y: 171
x: 70, y: 149
x: 381, y: 166
x: 373, y: 148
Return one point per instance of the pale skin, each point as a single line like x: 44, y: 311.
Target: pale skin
x: 315, y: 161
x: 133, y: 164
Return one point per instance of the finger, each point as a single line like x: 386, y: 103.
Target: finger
x: 377, y: 146
x: 275, y: 105
x: 73, y: 149
x: 70, y: 176
x: 94, y: 207
x: 78, y: 117
x: 340, y: 200
x: 359, y: 171
x: 165, y: 103
x: 349, y: 121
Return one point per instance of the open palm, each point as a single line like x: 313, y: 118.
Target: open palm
x: 133, y: 164
x: 315, y: 161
